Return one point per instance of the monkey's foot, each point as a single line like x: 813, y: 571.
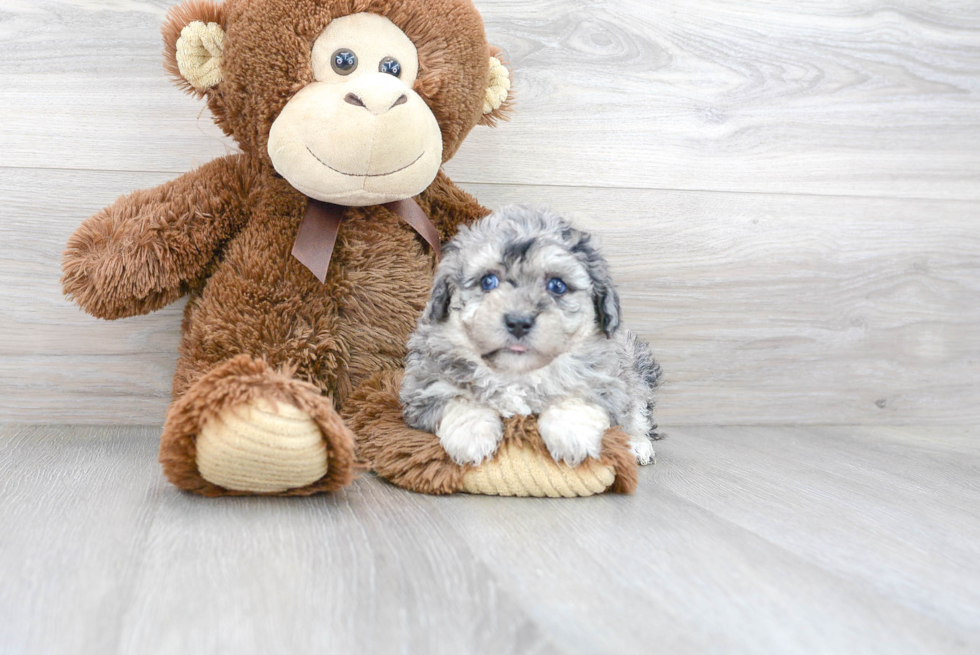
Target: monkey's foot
x: 261, y: 446
x: 244, y: 428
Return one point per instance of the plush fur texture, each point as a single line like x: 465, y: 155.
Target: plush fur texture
x: 504, y: 111
x: 414, y: 459
x: 472, y: 362
x: 269, y: 43
x: 180, y: 16
x: 257, y: 322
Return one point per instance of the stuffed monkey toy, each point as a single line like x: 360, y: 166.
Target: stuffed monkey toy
x: 308, y: 256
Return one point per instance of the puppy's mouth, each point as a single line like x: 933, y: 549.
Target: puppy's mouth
x: 513, y: 348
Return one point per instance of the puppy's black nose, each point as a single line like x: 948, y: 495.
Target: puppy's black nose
x: 519, y: 324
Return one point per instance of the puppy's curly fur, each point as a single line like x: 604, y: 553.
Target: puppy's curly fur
x: 524, y: 319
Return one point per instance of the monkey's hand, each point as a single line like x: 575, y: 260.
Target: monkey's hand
x: 142, y: 252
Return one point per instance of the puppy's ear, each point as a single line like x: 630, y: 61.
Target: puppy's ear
x: 438, y: 308
x: 604, y: 294
x: 606, y: 306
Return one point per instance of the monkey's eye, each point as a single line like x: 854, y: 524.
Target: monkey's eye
x: 557, y: 286
x: 391, y: 66
x: 343, y: 62
x: 489, y: 282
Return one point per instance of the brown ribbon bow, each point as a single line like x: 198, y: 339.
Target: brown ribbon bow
x: 318, y: 232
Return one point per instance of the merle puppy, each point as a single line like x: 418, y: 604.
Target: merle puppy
x: 524, y: 319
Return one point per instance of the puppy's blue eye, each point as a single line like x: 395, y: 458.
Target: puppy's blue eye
x: 489, y: 282
x: 557, y: 287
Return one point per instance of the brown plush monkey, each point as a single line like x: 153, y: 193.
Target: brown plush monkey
x: 344, y: 111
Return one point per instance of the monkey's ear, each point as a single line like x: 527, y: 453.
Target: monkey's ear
x: 499, y: 99
x: 193, y: 38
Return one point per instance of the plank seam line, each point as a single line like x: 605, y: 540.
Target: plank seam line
x: 555, y: 186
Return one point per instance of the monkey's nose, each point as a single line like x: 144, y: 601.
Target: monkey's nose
x: 353, y: 99
x: 518, y: 324
x: 376, y: 106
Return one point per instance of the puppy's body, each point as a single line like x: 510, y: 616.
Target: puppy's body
x: 543, y: 339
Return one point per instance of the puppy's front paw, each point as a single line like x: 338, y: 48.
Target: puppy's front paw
x: 642, y: 449
x: 573, y: 430
x: 469, y: 433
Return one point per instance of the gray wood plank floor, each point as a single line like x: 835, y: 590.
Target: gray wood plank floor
x: 740, y: 540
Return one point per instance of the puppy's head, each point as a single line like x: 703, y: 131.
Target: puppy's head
x: 520, y: 288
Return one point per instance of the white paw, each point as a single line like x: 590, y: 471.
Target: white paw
x: 642, y: 447
x: 573, y: 430
x: 469, y: 433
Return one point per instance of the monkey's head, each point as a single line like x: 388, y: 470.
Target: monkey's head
x: 354, y: 102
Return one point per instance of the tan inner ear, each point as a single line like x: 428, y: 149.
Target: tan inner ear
x: 199, y: 51
x: 498, y: 88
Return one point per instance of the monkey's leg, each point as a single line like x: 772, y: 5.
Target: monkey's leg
x: 245, y: 428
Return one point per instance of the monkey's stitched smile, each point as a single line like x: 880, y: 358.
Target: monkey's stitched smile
x: 399, y: 170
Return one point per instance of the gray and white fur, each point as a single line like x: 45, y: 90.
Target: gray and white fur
x: 499, y: 337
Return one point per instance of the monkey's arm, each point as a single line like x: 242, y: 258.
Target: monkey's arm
x: 145, y: 250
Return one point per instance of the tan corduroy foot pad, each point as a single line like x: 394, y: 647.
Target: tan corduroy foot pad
x: 519, y: 470
x: 261, y: 447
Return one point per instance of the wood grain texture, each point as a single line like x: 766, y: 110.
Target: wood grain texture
x: 769, y: 540
x: 99, y: 554
x: 859, y: 97
x: 762, y: 308
x: 779, y: 302
x: 740, y: 540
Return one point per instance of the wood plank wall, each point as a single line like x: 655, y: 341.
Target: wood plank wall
x: 789, y: 193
